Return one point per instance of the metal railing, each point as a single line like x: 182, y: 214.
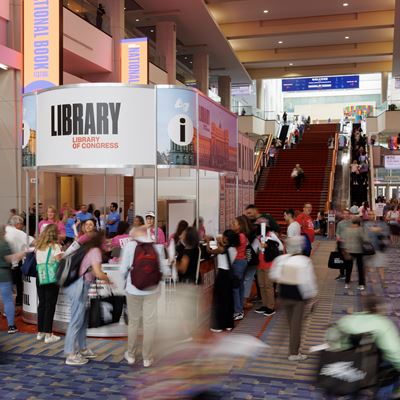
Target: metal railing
x: 89, y: 11
x: 332, y: 173
x: 254, y: 112
x: 262, y: 158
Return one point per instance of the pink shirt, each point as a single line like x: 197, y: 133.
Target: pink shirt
x: 152, y: 236
x: 119, y: 240
x: 60, y: 226
x: 93, y: 256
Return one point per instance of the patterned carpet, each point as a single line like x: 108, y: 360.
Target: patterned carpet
x: 31, y: 370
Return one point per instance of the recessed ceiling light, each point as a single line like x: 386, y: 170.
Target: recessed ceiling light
x: 186, y: 58
x: 347, y: 37
x: 137, y: 20
x: 266, y: 11
x: 280, y: 42
x: 345, y: 4
x: 290, y: 64
x: 191, y: 62
x: 151, y: 30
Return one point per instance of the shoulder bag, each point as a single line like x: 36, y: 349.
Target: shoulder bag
x: 47, y: 272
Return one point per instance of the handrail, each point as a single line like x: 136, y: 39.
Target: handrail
x: 332, y: 173
x: 371, y: 176
x: 262, y: 158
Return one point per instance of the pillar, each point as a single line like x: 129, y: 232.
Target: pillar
x: 200, y: 71
x: 260, y: 92
x: 384, y: 86
x: 166, y: 47
x: 224, y: 90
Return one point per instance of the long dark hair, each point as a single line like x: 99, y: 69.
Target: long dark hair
x: 96, y: 241
x: 232, y: 238
x: 182, y: 225
x: 191, y: 237
x: 244, y: 224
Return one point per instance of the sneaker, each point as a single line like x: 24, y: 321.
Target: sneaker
x: 297, y: 357
x: 228, y: 329
x: 51, y: 339
x: 238, y: 316
x: 76, y: 359
x: 148, y: 363
x: 129, y: 359
x: 269, y: 312
x: 40, y: 336
x: 216, y: 330
x: 361, y: 287
x: 347, y: 286
x: 87, y: 353
x: 340, y: 277
x: 12, y: 329
x: 261, y: 310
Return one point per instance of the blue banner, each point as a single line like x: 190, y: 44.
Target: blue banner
x: 321, y: 83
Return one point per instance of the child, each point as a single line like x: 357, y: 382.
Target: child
x: 222, y: 308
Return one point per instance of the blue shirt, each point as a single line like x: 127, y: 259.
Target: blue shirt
x: 69, y: 232
x: 113, y: 216
x: 83, y: 216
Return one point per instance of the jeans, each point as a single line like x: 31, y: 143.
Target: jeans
x: 239, y: 268
x: 75, y: 338
x: 48, y: 296
x: 6, y: 291
x: 248, y: 280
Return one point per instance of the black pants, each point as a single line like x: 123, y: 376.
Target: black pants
x: 17, y: 281
x: 298, y: 181
x: 48, y: 295
x: 360, y: 267
x: 222, y: 308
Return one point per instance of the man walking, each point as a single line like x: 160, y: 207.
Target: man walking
x: 307, y: 227
x: 340, y: 228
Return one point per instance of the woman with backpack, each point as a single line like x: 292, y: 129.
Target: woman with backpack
x: 222, y: 307
x: 75, y: 339
x: 48, y: 253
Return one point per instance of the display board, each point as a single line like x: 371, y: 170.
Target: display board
x: 321, y: 83
x: 392, y: 162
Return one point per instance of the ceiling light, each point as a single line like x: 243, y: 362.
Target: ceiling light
x: 345, y: 4
x: 151, y: 30
x: 347, y: 37
x: 266, y: 11
x: 186, y: 58
x: 290, y: 64
x: 4, y: 66
x: 191, y: 62
x: 280, y: 42
x: 137, y: 20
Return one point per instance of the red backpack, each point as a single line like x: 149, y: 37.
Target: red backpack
x: 145, y: 271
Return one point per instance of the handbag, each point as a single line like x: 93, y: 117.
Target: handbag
x: 368, y: 249
x: 47, y: 272
x: 29, y: 265
x: 251, y: 256
x: 336, y: 260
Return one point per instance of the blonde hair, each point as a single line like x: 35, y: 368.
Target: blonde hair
x: 54, y: 209
x: 48, y: 237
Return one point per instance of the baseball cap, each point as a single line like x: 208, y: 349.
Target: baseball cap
x: 150, y: 214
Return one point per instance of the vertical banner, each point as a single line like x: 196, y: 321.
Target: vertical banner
x: 29, y: 129
x: 222, y: 205
x: 176, y: 126
x: 42, y: 44
x: 134, y: 61
x: 218, y: 138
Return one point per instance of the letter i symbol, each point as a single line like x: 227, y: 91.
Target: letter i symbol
x: 182, y: 129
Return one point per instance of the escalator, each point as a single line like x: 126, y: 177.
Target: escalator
x: 284, y: 133
x: 341, y: 187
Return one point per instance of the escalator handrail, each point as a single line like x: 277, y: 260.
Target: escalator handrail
x: 332, y: 173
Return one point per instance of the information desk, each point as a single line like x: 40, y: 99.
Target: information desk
x: 168, y: 288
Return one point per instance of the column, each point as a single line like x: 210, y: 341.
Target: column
x: 384, y: 86
x: 260, y: 92
x: 200, y: 71
x: 166, y: 48
x: 224, y: 91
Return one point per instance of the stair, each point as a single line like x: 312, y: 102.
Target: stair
x: 276, y: 190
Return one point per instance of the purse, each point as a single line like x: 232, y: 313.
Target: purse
x: 29, y: 265
x: 368, y: 249
x: 336, y: 260
x: 47, y: 272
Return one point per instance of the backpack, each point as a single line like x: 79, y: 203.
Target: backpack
x: 145, y: 270
x: 68, y: 267
x: 271, y: 251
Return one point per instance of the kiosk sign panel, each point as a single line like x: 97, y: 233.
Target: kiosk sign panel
x: 90, y: 126
x: 41, y: 44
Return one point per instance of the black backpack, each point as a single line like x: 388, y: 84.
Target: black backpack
x: 68, y: 267
x: 251, y: 256
x: 271, y: 251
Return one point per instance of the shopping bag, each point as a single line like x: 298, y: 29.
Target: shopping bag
x: 47, y: 272
x: 29, y: 265
x: 336, y: 260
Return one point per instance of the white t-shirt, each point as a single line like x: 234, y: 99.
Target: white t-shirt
x: 41, y: 255
x: 223, y: 260
x: 18, y: 240
x: 294, y: 229
x: 379, y: 209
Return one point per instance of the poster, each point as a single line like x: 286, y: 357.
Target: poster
x: 218, y: 136
x: 29, y: 129
x: 91, y: 126
x: 176, y: 126
x: 222, y: 205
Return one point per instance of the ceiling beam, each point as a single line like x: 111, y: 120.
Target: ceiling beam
x: 316, y: 52
x: 320, y: 70
x: 317, y: 24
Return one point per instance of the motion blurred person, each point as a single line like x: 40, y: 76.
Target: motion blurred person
x: 151, y: 233
x: 138, y: 221
x: 340, y: 228
x: 294, y: 228
x: 188, y: 261
x: 130, y: 214
x: 175, y: 245
x: 253, y: 214
x: 298, y: 176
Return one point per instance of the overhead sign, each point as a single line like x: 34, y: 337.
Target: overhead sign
x: 321, y: 83
x: 134, y: 61
x: 90, y: 126
x: 41, y: 44
x: 392, y: 162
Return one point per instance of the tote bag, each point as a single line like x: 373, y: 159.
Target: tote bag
x: 47, y: 272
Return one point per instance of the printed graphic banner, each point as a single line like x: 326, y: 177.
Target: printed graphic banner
x: 134, y: 61
x: 41, y: 44
x: 29, y: 107
x: 218, y: 136
x: 94, y: 126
